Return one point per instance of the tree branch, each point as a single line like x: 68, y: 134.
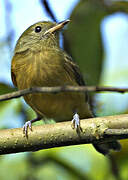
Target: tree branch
x: 59, y: 89
x: 102, y: 129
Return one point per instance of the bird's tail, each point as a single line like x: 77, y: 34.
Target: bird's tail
x: 105, y: 148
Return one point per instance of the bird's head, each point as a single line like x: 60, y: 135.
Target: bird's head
x: 41, y: 34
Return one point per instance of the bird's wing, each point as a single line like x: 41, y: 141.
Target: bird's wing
x: 13, y: 75
x: 72, y: 67
x: 15, y: 60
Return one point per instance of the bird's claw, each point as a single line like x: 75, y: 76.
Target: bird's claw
x: 27, y: 125
x: 76, y: 121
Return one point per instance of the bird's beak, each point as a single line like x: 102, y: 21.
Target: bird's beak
x: 57, y: 27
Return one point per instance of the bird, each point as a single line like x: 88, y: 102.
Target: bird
x: 38, y: 61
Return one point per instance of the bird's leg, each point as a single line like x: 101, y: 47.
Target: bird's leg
x: 76, y: 121
x: 28, y: 124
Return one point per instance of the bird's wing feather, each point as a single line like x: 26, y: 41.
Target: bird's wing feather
x: 13, y: 74
x: 17, y: 56
x: 13, y: 78
x: 71, y: 66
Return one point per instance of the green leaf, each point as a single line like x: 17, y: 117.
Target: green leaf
x: 118, y: 6
x: 5, y: 88
x: 84, y: 39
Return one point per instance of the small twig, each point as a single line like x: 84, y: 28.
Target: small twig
x: 48, y: 9
x: 114, y: 167
x: 36, y: 162
x: 121, y: 133
x: 58, y: 89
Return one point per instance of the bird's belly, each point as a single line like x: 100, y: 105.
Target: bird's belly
x: 60, y: 107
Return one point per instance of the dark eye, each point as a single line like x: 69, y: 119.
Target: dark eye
x: 37, y: 29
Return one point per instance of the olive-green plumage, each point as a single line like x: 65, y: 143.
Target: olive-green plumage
x: 39, y: 61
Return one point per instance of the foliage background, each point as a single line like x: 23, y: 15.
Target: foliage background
x: 97, y: 39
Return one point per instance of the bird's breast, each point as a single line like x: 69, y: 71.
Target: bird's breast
x: 42, y: 69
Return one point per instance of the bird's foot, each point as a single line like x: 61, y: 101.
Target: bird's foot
x: 28, y: 124
x: 76, y: 121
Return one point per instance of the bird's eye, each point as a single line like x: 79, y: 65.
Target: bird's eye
x: 37, y: 29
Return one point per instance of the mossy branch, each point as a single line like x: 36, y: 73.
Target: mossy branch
x: 102, y: 129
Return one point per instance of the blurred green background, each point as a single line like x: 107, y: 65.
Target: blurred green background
x: 97, y: 39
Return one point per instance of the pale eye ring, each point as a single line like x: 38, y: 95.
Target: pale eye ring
x: 38, y: 29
